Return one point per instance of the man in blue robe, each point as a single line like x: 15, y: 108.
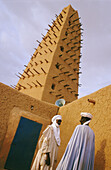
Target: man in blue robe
x: 80, y: 151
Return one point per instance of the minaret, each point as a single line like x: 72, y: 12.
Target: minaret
x: 53, y: 71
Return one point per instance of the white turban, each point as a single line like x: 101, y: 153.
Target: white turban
x: 56, y: 128
x: 85, y: 114
x: 56, y: 117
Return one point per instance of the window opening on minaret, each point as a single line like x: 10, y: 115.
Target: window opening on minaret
x: 69, y: 23
x: 53, y: 86
x: 60, y: 55
x: 66, y: 33
x: 57, y: 65
x: 62, y: 48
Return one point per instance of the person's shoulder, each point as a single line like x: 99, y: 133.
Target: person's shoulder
x: 87, y: 128
x: 49, y: 127
x: 82, y: 127
x: 78, y: 126
x: 79, y: 129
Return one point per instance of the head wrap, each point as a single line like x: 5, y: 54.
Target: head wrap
x: 85, y: 114
x: 56, y: 128
x: 56, y: 117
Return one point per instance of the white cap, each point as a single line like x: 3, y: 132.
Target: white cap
x: 56, y: 117
x: 85, y: 114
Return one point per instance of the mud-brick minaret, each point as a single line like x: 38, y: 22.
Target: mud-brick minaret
x: 53, y: 70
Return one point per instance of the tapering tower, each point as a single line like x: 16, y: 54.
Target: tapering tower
x: 53, y: 71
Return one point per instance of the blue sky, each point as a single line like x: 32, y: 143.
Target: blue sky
x: 23, y: 21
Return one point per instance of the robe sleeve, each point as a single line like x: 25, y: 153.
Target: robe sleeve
x: 45, y: 140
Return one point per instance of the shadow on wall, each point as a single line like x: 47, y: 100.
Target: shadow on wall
x: 100, y: 157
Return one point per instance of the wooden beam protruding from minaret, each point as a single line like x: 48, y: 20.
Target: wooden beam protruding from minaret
x: 36, y: 71
x: 30, y: 72
x: 21, y: 86
x: 39, y: 83
x: 72, y: 14
x: 56, y: 26
x: 34, y: 84
x: 26, y: 73
x: 43, y: 70
x: 18, y: 76
x: 22, y: 75
x: 29, y: 85
x: 64, y: 11
x: 50, y: 50
x: 46, y: 60
x: 51, y: 28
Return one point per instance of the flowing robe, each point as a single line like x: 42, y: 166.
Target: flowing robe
x: 79, y: 154
x: 47, y: 144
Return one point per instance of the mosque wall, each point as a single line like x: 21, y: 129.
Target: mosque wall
x: 17, y: 107
x: 100, y: 124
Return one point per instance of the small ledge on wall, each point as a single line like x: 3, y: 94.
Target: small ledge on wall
x: 32, y: 107
x: 91, y: 101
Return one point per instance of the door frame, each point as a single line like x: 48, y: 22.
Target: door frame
x: 13, y: 123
